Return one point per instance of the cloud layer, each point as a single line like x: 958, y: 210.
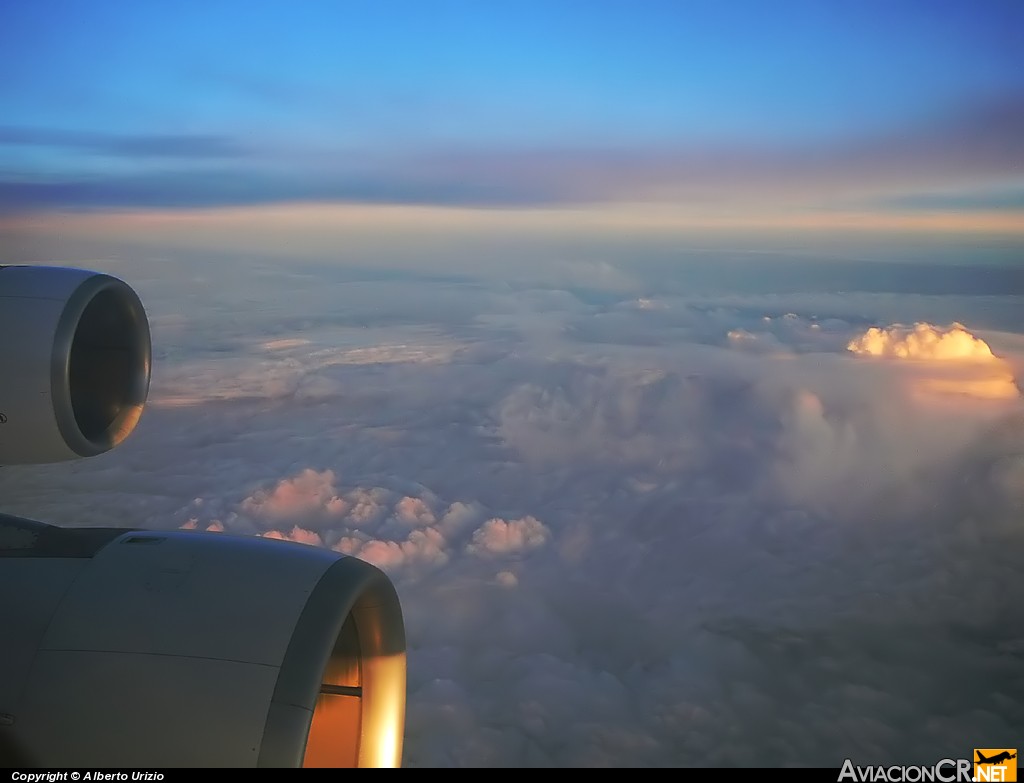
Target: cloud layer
x: 959, y: 159
x: 666, y: 531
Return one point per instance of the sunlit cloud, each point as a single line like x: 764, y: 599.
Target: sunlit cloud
x: 922, y: 341
x: 309, y: 492
x: 950, y: 360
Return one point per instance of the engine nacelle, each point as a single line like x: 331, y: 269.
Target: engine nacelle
x: 123, y: 648
x: 75, y: 357
x: 152, y: 649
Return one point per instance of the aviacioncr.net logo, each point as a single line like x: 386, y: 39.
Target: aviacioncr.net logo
x: 995, y: 764
x: 943, y: 771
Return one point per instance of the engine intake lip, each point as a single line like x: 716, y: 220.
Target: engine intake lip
x: 101, y: 364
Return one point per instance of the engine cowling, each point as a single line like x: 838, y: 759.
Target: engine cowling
x: 151, y: 649
x: 75, y: 360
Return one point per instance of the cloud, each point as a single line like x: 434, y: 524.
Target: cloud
x: 752, y: 341
x: 298, y: 534
x: 308, y: 493
x: 499, y: 537
x: 922, y: 341
x: 285, y: 344
x: 414, y: 512
x: 307, y: 368
x: 1010, y: 198
x: 965, y: 147
x: 404, y: 535
x: 964, y: 363
x: 185, y: 146
x: 620, y: 536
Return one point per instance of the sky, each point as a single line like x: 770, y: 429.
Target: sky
x: 667, y: 356
x: 738, y: 110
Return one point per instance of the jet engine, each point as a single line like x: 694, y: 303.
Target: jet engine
x: 74, y: 363
x: 149, y: 649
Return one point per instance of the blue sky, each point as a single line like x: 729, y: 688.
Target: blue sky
x: 202, y: 104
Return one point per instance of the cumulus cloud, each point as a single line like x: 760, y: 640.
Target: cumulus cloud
x: 310, y: 492
x: 422, y: 547
x: 414, y: 511
x: 924, y: 342
x: 298, y: 534
x: 702, y: 533
x: 752, y: 341
x: 210, y: 526
x: 403, y: 535
x: 500, y: 537
x: 963, y: 363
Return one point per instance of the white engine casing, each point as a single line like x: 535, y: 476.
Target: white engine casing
x: 150, y: 649
x: 75, y: 361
